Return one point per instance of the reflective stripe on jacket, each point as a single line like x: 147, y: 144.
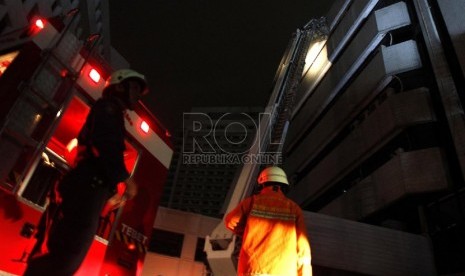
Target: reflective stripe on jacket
x: 274, y: 238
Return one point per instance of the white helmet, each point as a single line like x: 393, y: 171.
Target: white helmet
x: 123, y: 74
x: 273, y: 174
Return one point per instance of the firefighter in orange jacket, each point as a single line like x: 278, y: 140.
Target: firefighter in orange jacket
x: 274, y: 239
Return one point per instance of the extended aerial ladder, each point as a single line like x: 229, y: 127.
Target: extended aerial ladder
x: 221, y: 247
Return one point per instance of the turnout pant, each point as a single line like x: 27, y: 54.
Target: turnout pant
x: 74, y: 224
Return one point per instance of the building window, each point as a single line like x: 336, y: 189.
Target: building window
x: 166, y: 243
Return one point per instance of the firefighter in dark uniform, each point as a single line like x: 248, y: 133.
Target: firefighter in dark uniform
x: 84, y: 191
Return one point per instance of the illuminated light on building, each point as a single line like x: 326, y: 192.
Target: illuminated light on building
x: 316, y: 56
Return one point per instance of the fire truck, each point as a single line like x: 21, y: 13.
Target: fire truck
x: 47, y: 86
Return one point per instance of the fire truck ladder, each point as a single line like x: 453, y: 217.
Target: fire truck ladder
x: 222, y: 247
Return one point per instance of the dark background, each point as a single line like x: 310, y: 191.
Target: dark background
x: 207, y: 52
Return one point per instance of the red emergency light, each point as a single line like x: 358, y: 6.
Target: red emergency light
x: 94, y: 75
x: 145, y: 127
x: 39, y: 24
x: 131, y: 246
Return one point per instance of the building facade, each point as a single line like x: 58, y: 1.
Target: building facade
x: 207, y: 156
x: 376, y: 135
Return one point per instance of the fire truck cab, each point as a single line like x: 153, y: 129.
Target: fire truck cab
x: 47, y: 86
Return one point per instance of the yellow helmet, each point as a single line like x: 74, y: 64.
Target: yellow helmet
x: 123, y: 74
x: 273, y: 174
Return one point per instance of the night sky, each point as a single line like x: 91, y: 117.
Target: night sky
x: 207, y: 52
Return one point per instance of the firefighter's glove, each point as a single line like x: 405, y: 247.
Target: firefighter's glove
x: 131, y: 189
x: 114, y: 202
